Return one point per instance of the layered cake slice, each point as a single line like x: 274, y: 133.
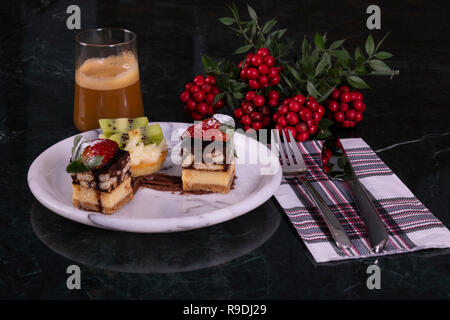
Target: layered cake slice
x: 101, y: 176
x: 208, y: 157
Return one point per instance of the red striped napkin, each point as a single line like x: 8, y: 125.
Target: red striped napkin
x: 411, y: 226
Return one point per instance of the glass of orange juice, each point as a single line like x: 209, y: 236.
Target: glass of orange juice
x: 106, y: 77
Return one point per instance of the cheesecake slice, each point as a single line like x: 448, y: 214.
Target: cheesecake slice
x: 207, y: 157
x: 101, y: 177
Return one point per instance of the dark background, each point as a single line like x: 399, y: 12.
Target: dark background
x: 406, y: 121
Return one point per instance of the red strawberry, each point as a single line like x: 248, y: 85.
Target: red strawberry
x: 100, y: 148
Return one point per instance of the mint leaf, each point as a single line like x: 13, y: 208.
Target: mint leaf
x: 76, y: 166
x: 94, y: 162
x: 227, y: 21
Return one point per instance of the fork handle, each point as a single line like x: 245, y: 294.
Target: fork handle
x: 337, y: 230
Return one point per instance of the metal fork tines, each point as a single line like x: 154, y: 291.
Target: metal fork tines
x: 293, y: 166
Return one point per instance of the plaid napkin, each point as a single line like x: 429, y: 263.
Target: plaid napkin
x: 411, y: 226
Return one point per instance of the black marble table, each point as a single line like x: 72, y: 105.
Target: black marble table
x: 258, y: 255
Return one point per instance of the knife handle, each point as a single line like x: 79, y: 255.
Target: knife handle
x: 337, y: 230
x: 376, y: 230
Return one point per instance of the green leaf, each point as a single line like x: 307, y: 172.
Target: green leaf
x: 357, y: 82
x: 378, y: 65
x: 76, y: 166
x: 341, y: 54
x: 370, y: 45
x: 383, y: 55
x: 324, y: 133
x: 287, y: 81
x: 280, y: 33
x: 242, y: 49
x: 227, y: 21
x: 325, y: 95
x: 252, y: 13
x: 305, y: 46
x: 358, y: 53
x: 209, y: 64
x: 336, y: 44
x: 238, y: 95
x: 312, y: 89
x: 229, y: 101
x: 319, y: 41
x: 321, y: 65
x: 325, y: 123
x: 218, y: 97
x: 294, y: 72
x: 269, y: 25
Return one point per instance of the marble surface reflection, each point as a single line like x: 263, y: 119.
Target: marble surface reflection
x: 155, y: 253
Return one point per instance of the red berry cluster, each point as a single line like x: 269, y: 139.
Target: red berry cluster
x: 326, y: 155
x: 259, y: 70
x: 254, y: 113
x: 345, y: 107
x: 198, y: 97
x: 300, y: 116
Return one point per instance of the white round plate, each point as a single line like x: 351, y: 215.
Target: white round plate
x: 258, y: 176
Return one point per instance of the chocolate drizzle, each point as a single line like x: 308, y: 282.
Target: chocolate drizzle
x: 163, y: 182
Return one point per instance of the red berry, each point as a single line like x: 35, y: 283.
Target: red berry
x: 274, y: 95
x: 363, y: 107
x: 253, y: 84
x: 357, y: 104
x: 258, y: 101
x: 196, y: 116
x: 184, y: 96
x: 250, y: 95
x: 343, y: 107
x: 194, y: 89
x: 191, y: 104
x: 247, y: 127
x: 263, y: 69
x: 210, y: 110
x: 257, y: 60
x: 202, y: 108
x: 339, y: 116
x: 278, y: 127
x: 294, y: 106
x: 273, y: 72
x: 252, y: 73
x: 275, y: 117
x: 211, y: 80
x: 102, y: 148
x: 283, y: 109
x: 269, y: 61
x: 263, y: 52
x: 345, y: 89
x: 358, y: 117
x: 306, y: 114
x: 346, y: 123
x: 265, y: 111
x: 354, y: 95
x: 312, y: 129
x: 243, y: 73
x: 333, y: 106
x: 292, y: 118
x: 291, y: 130
x: 206, y: 88
x: 316, y: 117
x: 350, y: 114
x: 325, y: 160
x: 300, y: 99
x: 273, y: 102
x: 256, y: 116
x: 275, y: 80
x: 257, y: 125
x: 249, y: 57
x: 312, y: 105
x: 246, y: 120
x: 335, y: 95
x: 301, y: 127
x: 302, y: 136
x: 345, y: 97
x: 199, y: 96
x: 247, y: 108
x: 198, y: 78
x: 219, y: 104
x: 359, y: 96
x: 321, y: 110
x: 263, y: 80
x: 266, y: 122
x: 210, y: 98
x: 238, y: 113
x: 327, y: 153
x: 282, y: 121
x: 215, y: 90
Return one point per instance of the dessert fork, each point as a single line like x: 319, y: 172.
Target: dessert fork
x: 293, y: 166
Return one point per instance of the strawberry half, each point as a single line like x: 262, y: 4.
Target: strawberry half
x: 99, y: 148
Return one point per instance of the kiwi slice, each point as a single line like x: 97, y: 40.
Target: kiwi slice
x: 148, y: 134
x: 121, y: 125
